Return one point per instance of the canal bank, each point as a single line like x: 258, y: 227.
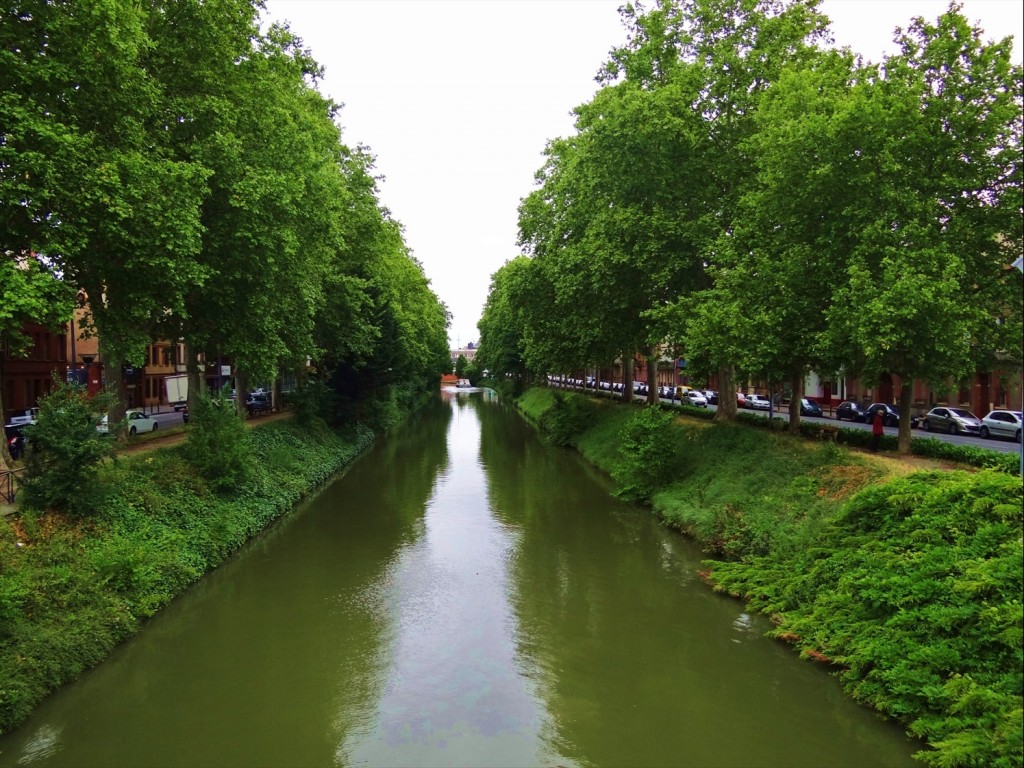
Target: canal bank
x: 909, y: 583
x: 72, y: 589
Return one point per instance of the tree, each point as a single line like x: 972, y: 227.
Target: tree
x: 728, y: 54
x: 88, y: 179
x: 934, y: 146
x: 29, y: 292
x: 503, y: 324
x: 65, y: 450
x: 775, y: 272
x: 630, y: 210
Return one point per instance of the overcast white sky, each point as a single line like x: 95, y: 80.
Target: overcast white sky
x: 457, y: 98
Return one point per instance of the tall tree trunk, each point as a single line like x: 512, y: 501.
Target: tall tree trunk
x: 797, y: 384
x: 195, y: 383
x: 652, y: 376
x: 726, y: 394
x: 627, y: 377
x: 113, y: 367
x: 241, y: 388
x: 5, y: 455
x: 906, y: 400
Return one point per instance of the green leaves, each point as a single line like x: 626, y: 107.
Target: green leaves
x: 916, y: 591
x: 64, y: 451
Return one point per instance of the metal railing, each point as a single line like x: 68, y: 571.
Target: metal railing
x: 9, y: 485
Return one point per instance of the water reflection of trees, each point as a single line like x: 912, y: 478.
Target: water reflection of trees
x: 273, y: 658
x: 634, y: 659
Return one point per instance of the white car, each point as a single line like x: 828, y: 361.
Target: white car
x: 137, y: 422
x: 1002, y: 424
x: 758, y: 402
x: 694, y: 397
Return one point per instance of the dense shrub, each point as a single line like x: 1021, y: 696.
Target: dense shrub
x: 64, y: 450
x: 312, y: 402
x: 218, y: 443
x: 916, y: 592
x: 647, y: 454
x: 567, y: 417
x: 966, y: 454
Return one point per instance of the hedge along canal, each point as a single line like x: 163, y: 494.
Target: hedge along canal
x: 468, y: 596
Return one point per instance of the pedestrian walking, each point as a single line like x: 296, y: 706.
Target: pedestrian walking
x: 876, y: 429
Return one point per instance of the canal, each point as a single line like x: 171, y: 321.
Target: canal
x: 464, y: 595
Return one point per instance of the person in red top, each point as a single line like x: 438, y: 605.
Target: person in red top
x: 876, y: 429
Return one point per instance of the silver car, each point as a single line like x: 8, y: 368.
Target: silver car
x: 955, y: 421
x: 1002, y: 424
x: 694, y: 397
x: 758, y: 402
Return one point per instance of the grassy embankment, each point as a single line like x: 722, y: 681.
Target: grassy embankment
x: 910, y: 582
x: 72, y: 589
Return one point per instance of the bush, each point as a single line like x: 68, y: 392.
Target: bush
x: 312, y: 402
x: 647, y: 452
x: 568, y: 416
x: 64, y: 450
x: 966, y: 454
x: 916, y: 592
x: 218, y: 443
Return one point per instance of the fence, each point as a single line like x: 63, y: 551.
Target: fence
x: 9, y: 485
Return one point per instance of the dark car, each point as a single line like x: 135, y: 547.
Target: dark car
x: 258, y: 403
x: 890, y: 414
x: 711, y: 396
x: 15, y: 440
x: 810, y: 408
x: 851, y: 410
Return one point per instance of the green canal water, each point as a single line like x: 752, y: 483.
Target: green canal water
x: 464, y: 596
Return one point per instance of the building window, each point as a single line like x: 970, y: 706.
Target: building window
x: 62, y: 348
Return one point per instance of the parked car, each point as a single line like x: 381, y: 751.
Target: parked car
x: 952, y: 420
x: 28, y: 417
x: 137, y: 422
x: 890, y: 414
x: 694, y: 397
x: 258, y: 403
x: 758, y: 402
x: 850, y: 410
x: 810, y: 408
x: 15, y: 438
x: 741, y: 400
x: 711, y: 396
x: 1002, y: 424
